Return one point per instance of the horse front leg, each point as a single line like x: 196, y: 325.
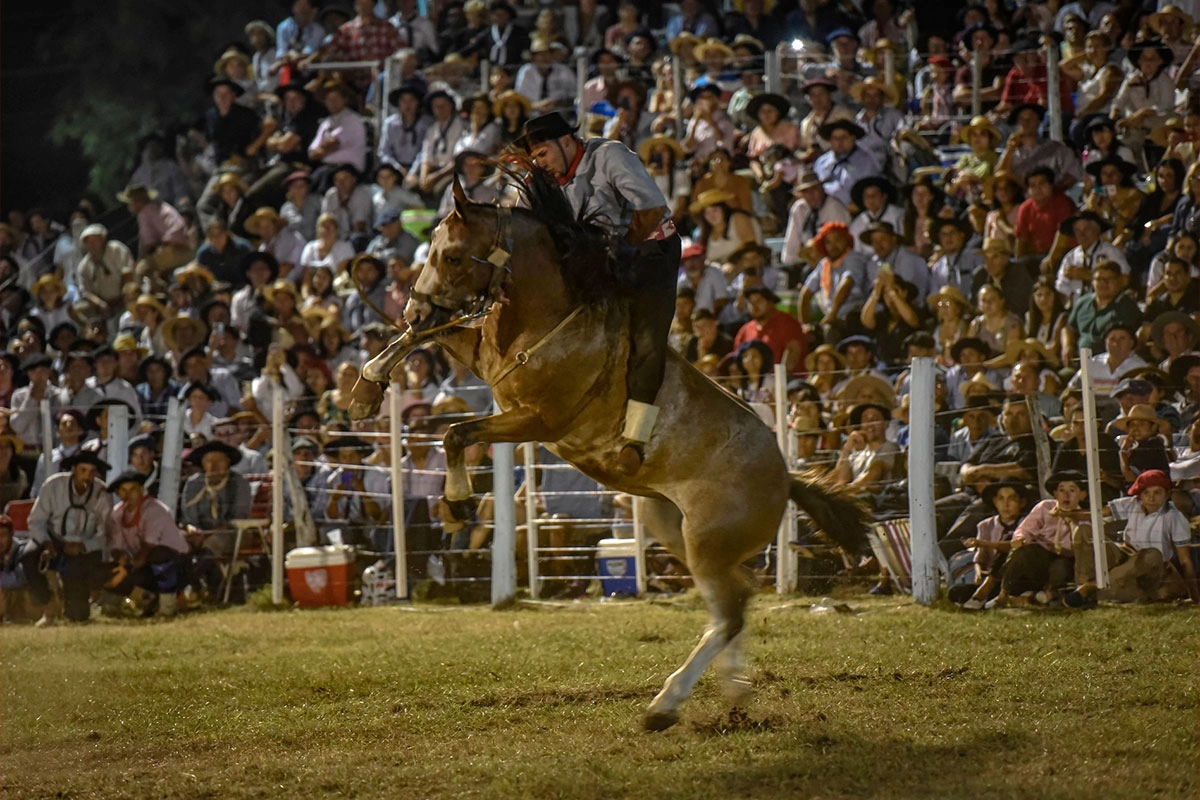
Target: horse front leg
x: 518, y: 425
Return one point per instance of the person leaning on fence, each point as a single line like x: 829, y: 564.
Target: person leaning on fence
x: 67, y: 526
x: 1149, y: 564
x: 1042, y: 558
x: 148, y: 549
x: 605, y: 178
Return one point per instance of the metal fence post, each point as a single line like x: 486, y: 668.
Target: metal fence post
x: 399, y: 534
x: 531, y: 517
x: 923, y: 523
x: 504, y: 564
x: 171, y: 467
x: 1099, y: 554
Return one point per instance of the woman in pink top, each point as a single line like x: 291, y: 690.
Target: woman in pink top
x: 773, y: 128
x: 1042, y: 559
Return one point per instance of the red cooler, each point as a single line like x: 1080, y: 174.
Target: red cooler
x: 320, y: 576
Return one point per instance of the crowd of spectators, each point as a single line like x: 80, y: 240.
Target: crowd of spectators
x: 869, y: 209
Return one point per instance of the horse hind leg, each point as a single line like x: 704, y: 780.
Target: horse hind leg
x: 725, y: 591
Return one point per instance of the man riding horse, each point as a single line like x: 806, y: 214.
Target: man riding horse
x: 606, y: 182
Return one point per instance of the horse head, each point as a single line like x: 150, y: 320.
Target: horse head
x: 468, y: 255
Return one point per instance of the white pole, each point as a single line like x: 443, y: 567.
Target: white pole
x: 504, y: 532
x: 784, y: 570
x: 531, y: 523
x: 399, y: 534
x: 581, y: 73
x: 118, y: 440
x: 889, y: 66
x: 639, y: 538
x: 976, y: 85
x: 771, y: 76
x: 1053, y: 97
x: 920, y: 483
x: 170, y: 469
x: 1093, y: 468
x: 47, y: 436
x: 278, y: 435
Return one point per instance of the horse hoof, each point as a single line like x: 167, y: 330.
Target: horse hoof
x: 657, y: 721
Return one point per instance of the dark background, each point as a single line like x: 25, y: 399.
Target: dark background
x: 81, y: 81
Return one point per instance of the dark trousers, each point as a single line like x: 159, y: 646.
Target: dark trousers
x: 1032, y: 568
x: 79, y: 574
x: 651, y: 309
x: 163, y: 573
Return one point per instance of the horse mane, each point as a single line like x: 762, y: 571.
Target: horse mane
x: 583, y: 245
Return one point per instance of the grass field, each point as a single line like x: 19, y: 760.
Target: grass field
x: 893, y: 701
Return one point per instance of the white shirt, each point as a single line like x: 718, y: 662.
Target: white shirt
x: 557, y: 85
x: 803, y: 225
x: 1077, y: 257
x: 611, y: 182
x: 1166, y: 529
x: 1106, y: 377
x: 61, y: 515
x: 711, y: 288
x: 350, y: 131
x: 894, y: 215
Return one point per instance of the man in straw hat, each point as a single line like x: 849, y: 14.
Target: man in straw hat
x: 275, y: 237
x: 163, y: 240
x: 811, y: 210
x: 106, y: 266
x: 547, y: 84
x: 341, y: 137
x: 606, y: 180
x: 845, y: 162
x: 878, y: 117
x: 67, y: 525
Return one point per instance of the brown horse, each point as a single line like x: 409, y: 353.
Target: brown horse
x: 715, y: 484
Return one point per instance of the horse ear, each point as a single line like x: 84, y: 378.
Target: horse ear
x: 460, y: 199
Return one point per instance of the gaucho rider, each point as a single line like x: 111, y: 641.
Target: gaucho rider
x: 607, y: 182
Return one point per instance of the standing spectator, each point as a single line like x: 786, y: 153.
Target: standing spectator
x: 341, y: 137
x: 300, y: 34
x: 67, y: 527
x: 416, y: 32
x: 163, y: 241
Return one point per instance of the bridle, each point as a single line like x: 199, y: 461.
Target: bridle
x: 483, y: 303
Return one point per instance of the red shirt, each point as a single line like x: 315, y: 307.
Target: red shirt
x: 1038, y: 224
x: 1020, y: 87
x: 777, y: 333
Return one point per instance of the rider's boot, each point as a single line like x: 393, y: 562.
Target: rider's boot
x: 639, y: 423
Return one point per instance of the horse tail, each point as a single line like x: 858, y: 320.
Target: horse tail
x: 835, y: 510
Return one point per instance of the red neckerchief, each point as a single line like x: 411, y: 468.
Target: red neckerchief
x: 565, y: 179
x: 137, y: 514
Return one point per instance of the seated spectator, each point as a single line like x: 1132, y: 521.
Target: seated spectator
x: 707, y: 337
x: 1096, y: 312
x: 992, y: 541
x: 1046, y: 315
x: 996, y: 325
x: 66, y: 528
x: 279, y: 239
x: 48, y: 293
x: 950, y: 310
x: 867, y: 458
x: 437, y: 150
x: 14, y: 484
x: 878, y: 117
x: 1176, y: 291
x: 158, y: 171
x: 709, y: 129
x: 349, y: 202
x: 1114, y: 197
x: 953, y: 264
x: 14, y: 595
x: 874, y: 197
x: 148, y: 550
x: 163, y: 241
x: 1001, y: 271
x: 1146, y: 95
x: 826, y: 294
x: 845, y: 163
x: 888, y: 256
x: 754, y: 360
x: 104, y: 269
x: 779, y: 330
x: 1150, y: 563
x: 302, y: 207
x: 723, y: 229
x: 473, y: 174
x: 329, y: 249
x: 1072, y: 452
x: 1117, y: 360
x: 1000, y: 217
x: 210, y: 501
x: 633, y: 123
x: 71, y: 432
x: 890, y: 314
x: 222, y: 252
x: 1142, y: 446
x: 719, y: 175
x: 972, y: 170
x: 820, y: 94
x: 196, y: 367
x: 229, y: 431
x: 978, y: 423
x: 1042, y: 559
x: 511, y: 110
x: 370, y: 273
x: 1026, y: 150
x: 155, y: 387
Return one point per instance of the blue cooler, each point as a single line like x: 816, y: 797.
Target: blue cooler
x: 618, y: 566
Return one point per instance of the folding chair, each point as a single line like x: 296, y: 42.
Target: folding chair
x: 258, y: 524
x: 891, y: 542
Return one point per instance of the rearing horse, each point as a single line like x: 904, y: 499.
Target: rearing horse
x: 714, y: 482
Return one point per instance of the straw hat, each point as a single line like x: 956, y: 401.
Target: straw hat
x: 859, y: 89
x: 949, y: 292
x: 855, y: 387
x: 646, y: 148
x: 1002, y: 175
x: 1173, y: 124
x: 996, y: 246
x: 781, y: 104
x: 978, y: 384
x: 810, y: 361
x: 702, y: 50
x: 684, y: 39
x: 1144, y: 412
x: 980, y: 123
x: 1012, y: 353
x: 152, y: 302
x: 260, y: 25
x: 710, y: 197
x: 1156, y: 20
x: 126, y: 343
x: 281, y: 285
x: 194, y: 270
x: 173, y: 327
x: 231, y: 179
x: 138, y: 193
x: 511, y: 97
x: 49, y: 281
x: 229, y: 56
x: 266, y: 214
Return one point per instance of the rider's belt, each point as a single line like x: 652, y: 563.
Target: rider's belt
x: 665, y: 230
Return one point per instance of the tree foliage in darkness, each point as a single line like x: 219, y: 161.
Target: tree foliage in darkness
x: 140, y: 66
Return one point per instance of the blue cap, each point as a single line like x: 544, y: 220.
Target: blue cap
x: 1133, y: 386
x: 839, y: 33
x: 388, y: 216
x: 858, y: 338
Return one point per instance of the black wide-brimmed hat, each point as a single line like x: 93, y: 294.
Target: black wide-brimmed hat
x: 973, y: 342
x: 878, y: 181
x: 405, y: 88
x: 992, y: 489
x: 1039, y: 109
x: 826, y: 130
x: 238, y: 89
x: 1062, y: 476
x: 260, y: 255
x: 545, y: 128
x: 128, y: 476
x: 1068, y: 225
x: 85, y: 457
x: 856, y: 413
x: 781, y: 104
x: 1153, y: 43
x: 704, y: 88
x: 1127, y: 169
x: 232, y: 453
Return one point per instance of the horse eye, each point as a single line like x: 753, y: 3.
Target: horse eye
x: 452, y: 260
